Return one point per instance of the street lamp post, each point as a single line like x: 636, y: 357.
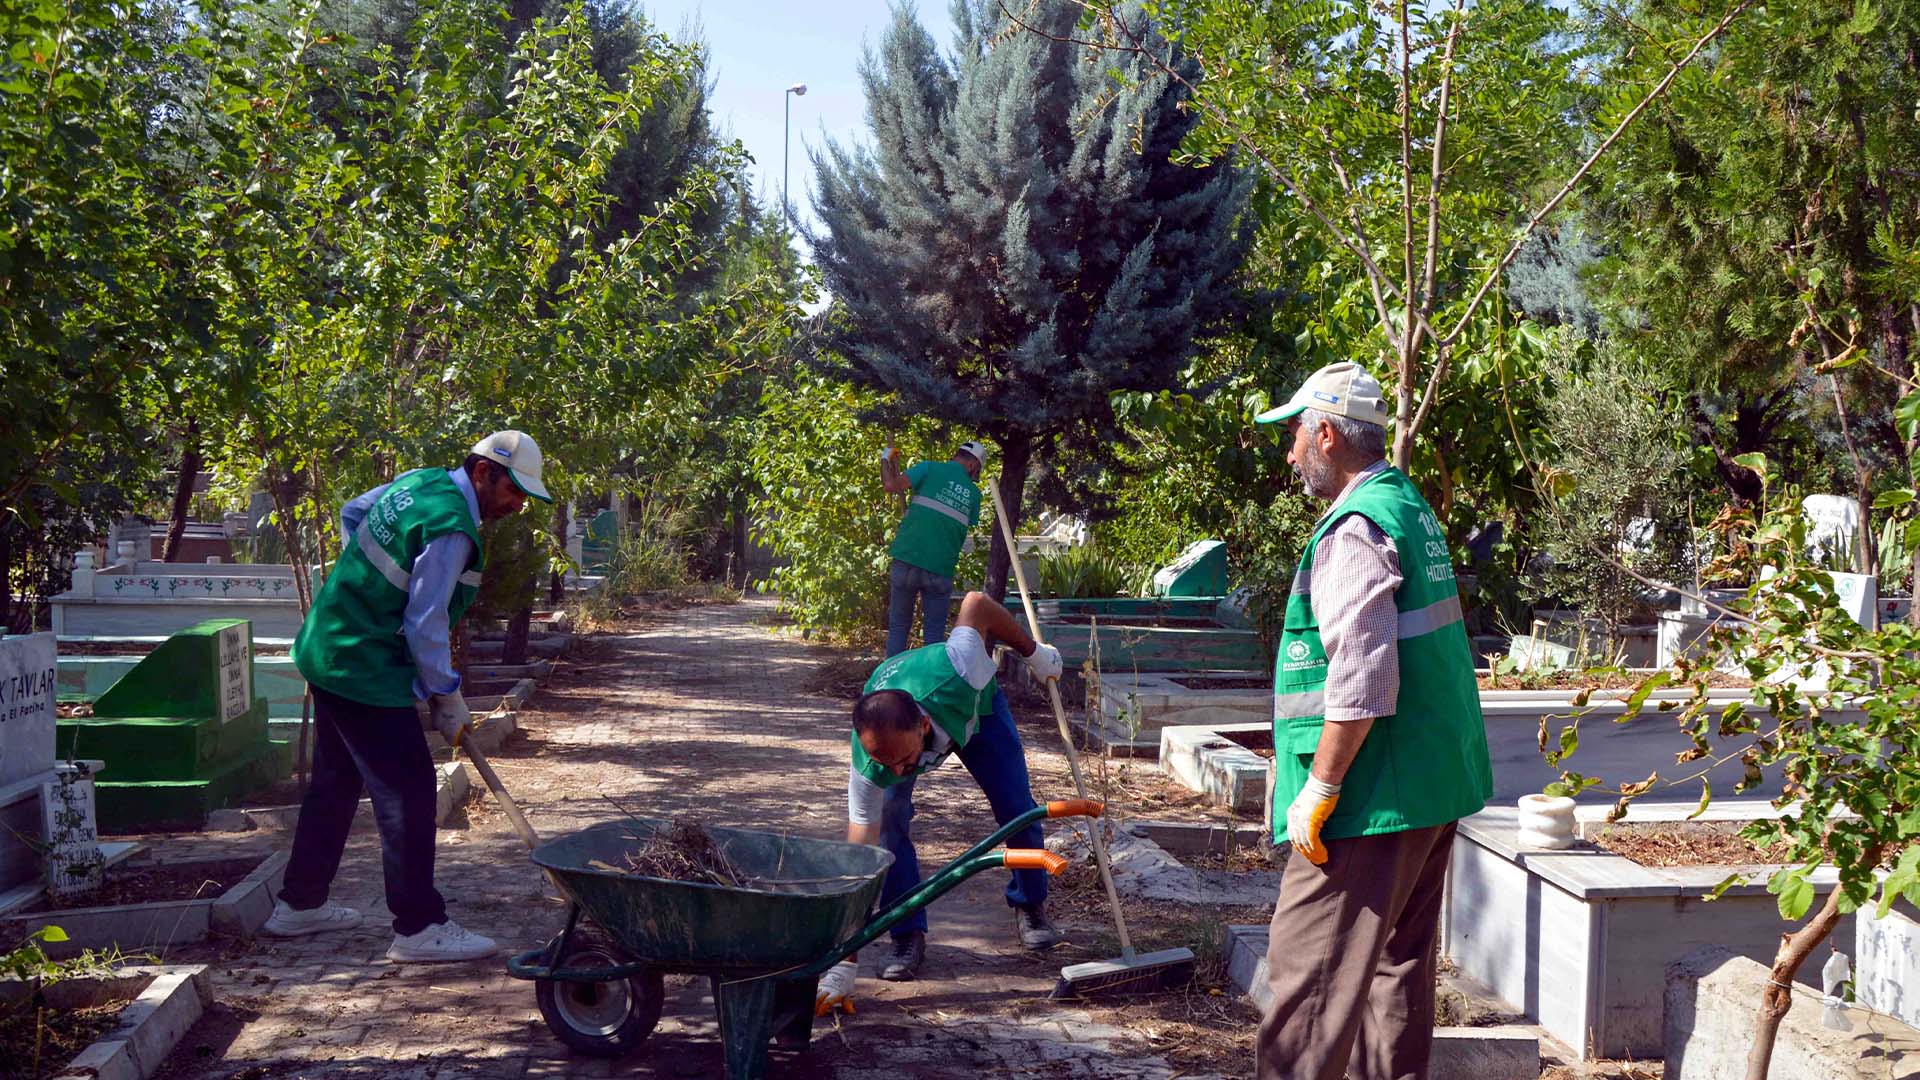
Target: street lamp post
x: 786, y: 146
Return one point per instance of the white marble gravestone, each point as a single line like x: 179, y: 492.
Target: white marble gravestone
x: 29, y: 675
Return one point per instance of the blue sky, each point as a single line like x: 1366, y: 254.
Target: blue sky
x: 761, y: 47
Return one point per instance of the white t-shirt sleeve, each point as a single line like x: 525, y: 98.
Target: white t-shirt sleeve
x: 967, y: 651
x: 863, y: 799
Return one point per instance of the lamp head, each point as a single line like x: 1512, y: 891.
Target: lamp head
x: 798, y: 89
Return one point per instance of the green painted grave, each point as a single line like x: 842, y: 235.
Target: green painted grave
x: 1201, y: 570
x: 182, y: 733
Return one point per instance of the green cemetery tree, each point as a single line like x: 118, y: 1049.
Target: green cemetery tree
x: 1766, y: 235
x: 1420, y: 143
x: 1021, y: 240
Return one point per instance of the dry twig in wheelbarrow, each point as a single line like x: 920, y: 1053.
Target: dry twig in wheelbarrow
x: 682, y: 851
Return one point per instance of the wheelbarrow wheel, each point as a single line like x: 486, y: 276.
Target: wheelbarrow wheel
x: 599, y: 1019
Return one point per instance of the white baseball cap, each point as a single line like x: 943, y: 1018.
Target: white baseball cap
x: 516, y: 452
x: 1343, y: 389
x: 977, y: 449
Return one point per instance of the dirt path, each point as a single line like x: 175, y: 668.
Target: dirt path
x: 704, y: 713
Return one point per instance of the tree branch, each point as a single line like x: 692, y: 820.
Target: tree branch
x: 1533, y: 222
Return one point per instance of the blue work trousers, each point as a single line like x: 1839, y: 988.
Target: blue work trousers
x: 384, y: 750
x: 907, y: 583
x: 999, y: 765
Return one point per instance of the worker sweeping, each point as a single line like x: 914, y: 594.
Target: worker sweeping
x: 375, y: 641
x: 1380, y: 750
x: 945, y: 503
x: 919, y: 707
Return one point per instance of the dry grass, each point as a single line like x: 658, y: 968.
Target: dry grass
x: 683, y: 851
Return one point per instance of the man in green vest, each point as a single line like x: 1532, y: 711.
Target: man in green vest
x: 945, y: 503
x: 919, y: 707
x: 376, y: 641
x: 1379, y: 750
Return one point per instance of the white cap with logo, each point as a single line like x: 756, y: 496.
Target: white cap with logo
x: 977, y: 449
x: 1343, y: 389
x: 516, y: 452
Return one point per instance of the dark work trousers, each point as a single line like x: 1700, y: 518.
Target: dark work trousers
x: 384, y: 750
x: 999, y: 765
x: 1351, y: 958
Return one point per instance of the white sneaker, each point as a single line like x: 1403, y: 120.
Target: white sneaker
x: 441, y: 941
x: 290, y: 922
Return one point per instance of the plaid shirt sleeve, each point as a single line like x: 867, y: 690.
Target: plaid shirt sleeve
x: 1355, y: 572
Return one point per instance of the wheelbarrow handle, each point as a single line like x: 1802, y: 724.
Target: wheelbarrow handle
x: 1059, y: 808
x: 930, y: 890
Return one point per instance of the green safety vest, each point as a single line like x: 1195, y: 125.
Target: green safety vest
x: 1427, y: 763
x: 928, y: 676
x: 350, y: 643
x: 945, y: 504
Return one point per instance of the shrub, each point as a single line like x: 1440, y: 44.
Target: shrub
x: 1082, y: 571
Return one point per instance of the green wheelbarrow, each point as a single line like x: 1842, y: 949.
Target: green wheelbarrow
x: 763, y: 946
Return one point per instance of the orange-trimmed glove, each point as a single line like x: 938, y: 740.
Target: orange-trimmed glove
x: 836, y: 989
x: 1309, y: 811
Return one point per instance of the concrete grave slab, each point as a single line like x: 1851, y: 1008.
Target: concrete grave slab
x: 1579, y: 939
x: 1710, y: 997
x: 1216, y: 762
x: 238, y: 912
x: 151, y: 1025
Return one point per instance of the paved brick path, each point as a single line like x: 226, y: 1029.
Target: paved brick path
x: 701, y: 713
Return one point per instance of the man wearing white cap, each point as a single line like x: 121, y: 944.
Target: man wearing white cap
x: 945, y: 503
x: 376, y: 641
x: 1379, y: 747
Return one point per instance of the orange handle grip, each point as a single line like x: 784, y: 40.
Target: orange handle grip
x: 1035, y: 859
x: 1075, y: 808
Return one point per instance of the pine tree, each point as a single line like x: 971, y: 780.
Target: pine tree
x: 1020, y: 242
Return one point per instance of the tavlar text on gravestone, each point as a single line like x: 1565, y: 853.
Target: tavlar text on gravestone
x: 29, y: 676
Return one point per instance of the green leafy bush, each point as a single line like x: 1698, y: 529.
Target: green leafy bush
x: 1626, y: 492
x: 821, y: 507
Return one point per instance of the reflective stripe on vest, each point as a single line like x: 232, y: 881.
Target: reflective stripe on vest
x: 1302, y: 703
x: 377, y: 555
x: 939, y: 507
x: 1430, y: 618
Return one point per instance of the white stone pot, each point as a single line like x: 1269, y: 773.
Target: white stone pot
x: 1546, y: 822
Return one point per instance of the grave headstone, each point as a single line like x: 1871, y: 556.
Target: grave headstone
x: 1201, y: 570
x: 70, y: 826
x: 28, y: 681
x: 29, y: 676
x: 182, y: 733
x: 1833, y: 525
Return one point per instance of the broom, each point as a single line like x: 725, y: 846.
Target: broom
x: 1132, y: 972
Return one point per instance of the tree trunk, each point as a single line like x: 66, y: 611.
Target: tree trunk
x: 1016, y: 452
x: 1777, y: 999
x: 518, y: 629
x: 286, y: 499
x: 190, y: 462
x: 7, y: 622
x: 556, y: 585
x: 739, y: 541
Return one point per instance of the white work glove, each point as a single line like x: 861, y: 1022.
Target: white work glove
x: 1045, y: 663
x: 886, y: 455
x: 836, y: 989
x: 451, y: 717
x: 1310, y: 810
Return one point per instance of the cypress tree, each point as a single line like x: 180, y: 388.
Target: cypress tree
x: 1021, y: 240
